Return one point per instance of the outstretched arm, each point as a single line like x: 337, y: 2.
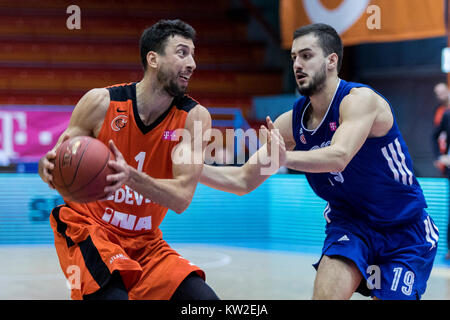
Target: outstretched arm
x: 262, y: 164
x: 176, y: 193
x: 363, y: 113
x: 441, y: 159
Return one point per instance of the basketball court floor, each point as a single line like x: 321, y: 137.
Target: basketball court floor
x: 235, y: 273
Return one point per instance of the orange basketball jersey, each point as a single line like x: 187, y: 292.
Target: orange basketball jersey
x: 146, y: 148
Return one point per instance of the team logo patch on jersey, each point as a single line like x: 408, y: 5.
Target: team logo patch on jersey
x: 119, y: 122
x: 333, y: 126
x: 302, y: 138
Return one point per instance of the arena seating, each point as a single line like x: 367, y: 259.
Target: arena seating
x: 43, y: 62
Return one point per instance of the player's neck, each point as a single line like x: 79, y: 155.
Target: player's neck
x: 321, y: 101
x: 152, y: 101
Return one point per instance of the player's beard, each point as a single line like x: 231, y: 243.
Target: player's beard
x: 169, y: 83
x: 317, y: 83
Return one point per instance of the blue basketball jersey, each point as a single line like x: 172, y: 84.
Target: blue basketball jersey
x: 377, y: 186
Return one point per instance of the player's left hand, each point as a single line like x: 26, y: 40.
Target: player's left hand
x: 122, y: 171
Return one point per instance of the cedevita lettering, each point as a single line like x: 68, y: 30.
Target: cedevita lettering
x: 128, y: 196
x: 127, y: 221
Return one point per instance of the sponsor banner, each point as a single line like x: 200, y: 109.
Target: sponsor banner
x: 359, y: 21
x: 28, y: 132
x: 282, y: 211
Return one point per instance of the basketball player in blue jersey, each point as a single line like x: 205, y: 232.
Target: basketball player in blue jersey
x: 379, y: 239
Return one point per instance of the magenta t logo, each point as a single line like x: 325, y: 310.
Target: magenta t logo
x: 170, y: 135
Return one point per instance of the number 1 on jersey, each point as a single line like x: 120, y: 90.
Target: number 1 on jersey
x: 140, y: 160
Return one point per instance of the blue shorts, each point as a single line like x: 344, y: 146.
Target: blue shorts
x: 395, y: 262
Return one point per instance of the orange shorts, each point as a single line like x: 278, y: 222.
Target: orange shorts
x: 88, y: 254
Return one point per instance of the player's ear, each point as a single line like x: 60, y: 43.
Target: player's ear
x: 332, y: 61
x: 152, y: 59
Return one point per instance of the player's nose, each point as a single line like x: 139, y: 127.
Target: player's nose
x: 191, y: 65
x: 298, y: 65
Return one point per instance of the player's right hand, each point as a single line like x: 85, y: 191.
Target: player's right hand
x: 47, y: 164
x: 275, y: 141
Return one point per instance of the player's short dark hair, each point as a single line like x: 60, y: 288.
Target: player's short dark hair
x: 329, y: 39
x: 155, y: 37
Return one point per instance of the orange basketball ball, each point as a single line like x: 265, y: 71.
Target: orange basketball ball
x: 81, y: 167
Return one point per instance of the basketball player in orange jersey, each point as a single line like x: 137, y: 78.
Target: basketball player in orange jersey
x: 115, y: 246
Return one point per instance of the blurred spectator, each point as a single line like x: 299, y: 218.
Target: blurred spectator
x: 442, y: 95
x: 440, y: 142
x: 441, y: 132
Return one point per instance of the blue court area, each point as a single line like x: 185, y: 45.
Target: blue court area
x: 283, y: 214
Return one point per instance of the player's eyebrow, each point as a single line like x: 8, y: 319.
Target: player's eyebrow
x: 300, y: 51
x: 192, y: 49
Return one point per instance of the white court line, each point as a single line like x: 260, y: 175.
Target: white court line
x: 440, y: 272
x: 213, y: 260
x: 223, y: 261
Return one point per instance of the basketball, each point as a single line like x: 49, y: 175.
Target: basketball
x: 81, y: 167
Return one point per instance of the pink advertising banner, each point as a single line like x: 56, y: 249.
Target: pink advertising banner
x: 28, y: 132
